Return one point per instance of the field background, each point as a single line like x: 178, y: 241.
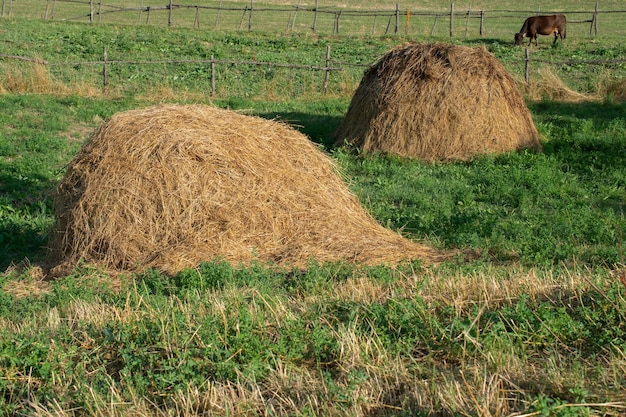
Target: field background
x: 530, y: 321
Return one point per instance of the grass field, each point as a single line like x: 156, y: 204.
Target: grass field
x: 532, y: 323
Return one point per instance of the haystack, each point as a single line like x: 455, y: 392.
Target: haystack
x: 438, y: 102
x: 170, y: 186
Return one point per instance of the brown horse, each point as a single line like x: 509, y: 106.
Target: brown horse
x: 542, y: 25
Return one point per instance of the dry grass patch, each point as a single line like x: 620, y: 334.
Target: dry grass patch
x: 551, y: 87
x: 17, y: 77
x: 617, y: 90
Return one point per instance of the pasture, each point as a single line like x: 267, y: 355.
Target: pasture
x: 528, y: 318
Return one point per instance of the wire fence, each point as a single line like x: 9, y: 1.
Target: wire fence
x: 215, y: 72
x: 247, y: 15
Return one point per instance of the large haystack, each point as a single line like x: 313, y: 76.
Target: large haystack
x: 170, y: 186
x: 438, y: 102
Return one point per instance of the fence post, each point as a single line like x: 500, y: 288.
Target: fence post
x: 595, y: 20
x: 295, y: 14
x: 196, y: 22
x: 467, y: 18
x: 140, y: 11
x: 105, y: 75
x: 397, y: 17
x: 245, y: 10
x: 451, y: 19
x: 212, y: 76
x: 432, y: 30
x: 315, y: 17
x: 217, y: 16
x: 327, y: 75
x: 337, y: 17
x: 250, y: 16
x: 482, y: 22
x: 527, y: 67
x: 408, y: 21
x: 90, y: 11
x: 169, y: 17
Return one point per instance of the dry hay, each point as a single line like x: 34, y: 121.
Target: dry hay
x: 171, y: 186
x: 617, y: 91
x: 438, y: 102
x: 551, y: 87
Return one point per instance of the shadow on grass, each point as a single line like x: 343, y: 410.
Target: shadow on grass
x: 588, y: 138
x: 25, y: 206
x: 317, y: 127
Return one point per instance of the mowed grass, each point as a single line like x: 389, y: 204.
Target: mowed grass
x: 528, y: 320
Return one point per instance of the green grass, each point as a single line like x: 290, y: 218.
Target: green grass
x: 533, y: 324
x: 323, y: 341
x: 63, y: 44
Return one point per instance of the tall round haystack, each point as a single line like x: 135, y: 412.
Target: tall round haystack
x: 171, y: 186
x: 438, y: 102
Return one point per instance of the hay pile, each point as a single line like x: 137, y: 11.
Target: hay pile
x: 438, y: 102
x: 170, y: 186
x: 551, y: 87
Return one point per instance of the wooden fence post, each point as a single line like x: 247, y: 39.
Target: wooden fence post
x: 432, y: 30
x: 295, y: 14
x: 169, y: 17
x: 467, y: 18
x: 90, y: 11
x: 217, y: 15
x: 315, y: 17
x: 196, y: 22
x: 451, y: 19
x: 594, y: 22
x: 99, y: 10
x: 250, y: 16
x: 482, y: 22
x: 212, y: 76
x: 408, y: 21
x: 527, y: 67
x: 337, y: 17
x: 397, y: 17
x: 140, y: 11
x: 105, y: 75
x: 327, y: 75
x: 245, y: 10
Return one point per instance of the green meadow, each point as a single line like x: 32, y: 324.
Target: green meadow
x: 528, y: 320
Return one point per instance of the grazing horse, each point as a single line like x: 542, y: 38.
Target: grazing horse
x: 542, y: 25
